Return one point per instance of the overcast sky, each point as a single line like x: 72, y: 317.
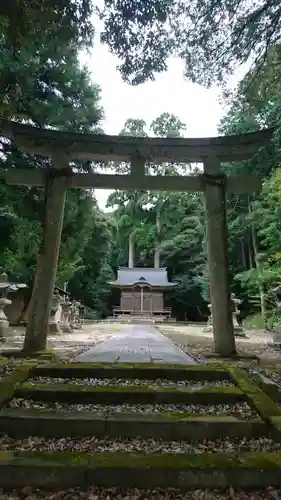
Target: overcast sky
x: 170, y: 92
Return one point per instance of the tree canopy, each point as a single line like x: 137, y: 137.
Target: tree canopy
x: 212, y: 37
x: 55, y: 92
x: 47, y: 87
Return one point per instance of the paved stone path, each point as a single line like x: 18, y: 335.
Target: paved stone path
x: 136, y: 344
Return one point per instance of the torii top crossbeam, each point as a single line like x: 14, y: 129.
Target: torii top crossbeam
x: 121, y: 148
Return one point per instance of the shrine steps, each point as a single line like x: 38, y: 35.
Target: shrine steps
x: 78, y: 410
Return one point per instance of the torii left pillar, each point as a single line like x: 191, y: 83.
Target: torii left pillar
x: 215, y: 203
x: 55, y: 195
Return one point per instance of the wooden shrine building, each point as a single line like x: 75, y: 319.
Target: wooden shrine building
x: 142, y: 291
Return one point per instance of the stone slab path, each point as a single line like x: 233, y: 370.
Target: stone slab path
x: 136, y: 344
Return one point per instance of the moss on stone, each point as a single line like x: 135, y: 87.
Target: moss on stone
x: 131, y: 389
x: 34, y: 413
x: 18, y: 357
x: 109, y: 460
x: 180, y: 416
x: 130, y: 371
x: 131, y: 367
x: 10, y: 383
x: 255, y: 395
x: 276, y: 422
x: 38, y: 458
x: 218, y: 390
x: 198, y: 461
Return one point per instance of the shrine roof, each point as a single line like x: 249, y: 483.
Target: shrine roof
x: 152, y: 276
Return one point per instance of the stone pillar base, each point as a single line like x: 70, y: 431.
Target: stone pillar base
x: 276, y: 340
x: 208, y: 329
x: 275, y: 345
x: 66, y: 329
x: 54, y: 328
x: 4, y: 330
x: 239, y: 332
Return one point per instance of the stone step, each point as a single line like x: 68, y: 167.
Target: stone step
x: 22, y: 423
x: 130, y: 394
x: 58, y: 470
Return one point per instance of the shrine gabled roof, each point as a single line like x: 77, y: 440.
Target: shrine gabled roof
x: 152, y: 276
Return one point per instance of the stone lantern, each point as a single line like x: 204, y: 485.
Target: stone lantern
x: 81, y: 314
x: 54, y: 326
x: 5, y: 287
x: 209, y: 325
x: 66, y: 316
x: 238, y: 329
x: 4, y: 301
x: 76, y: 323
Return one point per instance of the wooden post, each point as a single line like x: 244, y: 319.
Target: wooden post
x: 218, y: 257
x: 37, y: 328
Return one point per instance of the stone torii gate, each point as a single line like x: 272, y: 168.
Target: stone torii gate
x: 65, y: 147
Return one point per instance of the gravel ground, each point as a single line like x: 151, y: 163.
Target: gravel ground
x: 131, y: 382
x: 66, y: 345
x: 194, y: 343
x: 274, y: 376
x: 94, y: 493
x: 270, y: 374
x: 138, y: 444
x: 240, y: 410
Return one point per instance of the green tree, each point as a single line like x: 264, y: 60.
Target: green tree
x: 211, y: 37
x: 56, y: 93
x: 168, y: 227
x: 89, y: 283
x: 254, y: 105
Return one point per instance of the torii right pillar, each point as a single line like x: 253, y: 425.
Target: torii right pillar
x: 217, y: 235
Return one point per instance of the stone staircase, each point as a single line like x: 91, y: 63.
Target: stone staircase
x: 141, y: 426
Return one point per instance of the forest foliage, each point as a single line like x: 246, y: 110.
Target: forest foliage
x: 49, y: 88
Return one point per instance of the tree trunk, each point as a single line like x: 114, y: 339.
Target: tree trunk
x: 215, y: 203
x: 258, y: 268
x: 157, y: 242
x: 46, y: 269
x: 131, y: 251
x: 39, y: 264
x: 250, y: 253
x: 243, y: 255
